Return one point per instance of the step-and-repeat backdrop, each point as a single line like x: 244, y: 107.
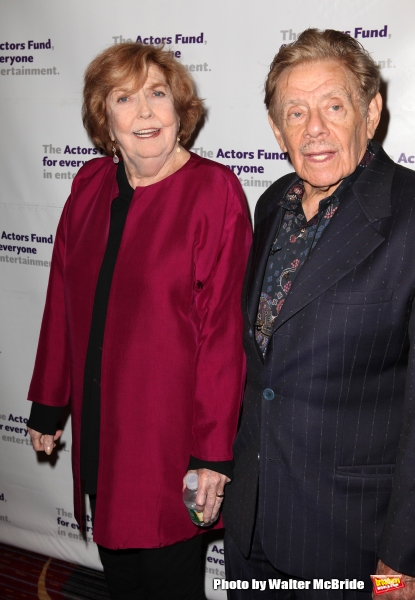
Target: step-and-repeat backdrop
x: 227, y: 45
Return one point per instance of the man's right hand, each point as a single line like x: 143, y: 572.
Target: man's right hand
x: 406, y: 593
x: 43, y: 442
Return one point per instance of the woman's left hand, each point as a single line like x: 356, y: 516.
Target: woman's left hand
x: 210, y: 493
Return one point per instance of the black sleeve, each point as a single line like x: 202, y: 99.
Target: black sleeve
x: 397, y: 545
x: 225, y: 467
x: 44, y: 418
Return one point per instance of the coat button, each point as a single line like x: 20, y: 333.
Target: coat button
x: 250, y: 333
x: 268, y: 394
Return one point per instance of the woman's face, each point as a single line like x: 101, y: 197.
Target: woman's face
x: 144, y: 123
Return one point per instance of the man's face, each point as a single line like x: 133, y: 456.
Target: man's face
x: 320, y: 123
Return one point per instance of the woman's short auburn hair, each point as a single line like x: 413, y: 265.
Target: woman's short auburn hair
x: 314, y: 45
x: 129, y: 63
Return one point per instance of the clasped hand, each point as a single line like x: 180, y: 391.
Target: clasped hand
x: 406, y: 593
x: 210, y: 489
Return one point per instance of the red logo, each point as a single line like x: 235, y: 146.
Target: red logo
x: 386, y: 583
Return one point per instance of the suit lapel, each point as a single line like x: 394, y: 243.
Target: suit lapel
x: 349, y: 239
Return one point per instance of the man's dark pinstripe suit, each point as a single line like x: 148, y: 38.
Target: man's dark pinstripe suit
x: 335, y: 428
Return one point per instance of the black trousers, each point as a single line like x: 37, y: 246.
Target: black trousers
x: 168, y: 573
x: 257, y: 567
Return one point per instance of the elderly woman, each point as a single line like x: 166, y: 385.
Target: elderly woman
x: 142, y: 324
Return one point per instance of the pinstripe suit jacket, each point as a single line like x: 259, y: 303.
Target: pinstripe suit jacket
x: 335, y: 428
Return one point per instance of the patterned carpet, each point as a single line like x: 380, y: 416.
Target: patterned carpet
x: 26, y: 575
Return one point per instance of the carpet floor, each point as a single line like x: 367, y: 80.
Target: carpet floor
x: 25, y: 575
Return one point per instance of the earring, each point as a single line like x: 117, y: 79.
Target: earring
x: 178, y: 150
x: 115, y: 158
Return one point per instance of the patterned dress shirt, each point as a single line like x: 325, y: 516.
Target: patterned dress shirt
x: 292, y: 245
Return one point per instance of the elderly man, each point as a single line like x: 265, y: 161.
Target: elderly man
x: 324, y: 485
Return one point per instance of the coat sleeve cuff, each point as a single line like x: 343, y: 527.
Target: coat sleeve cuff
x: 225, y: 467
x: 44, y: 418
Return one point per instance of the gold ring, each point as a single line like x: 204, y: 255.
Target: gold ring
x: 220, y: 495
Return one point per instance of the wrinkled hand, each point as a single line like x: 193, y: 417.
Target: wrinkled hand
x: 211, y: 483
x: 406, y: 593
x: 43, y: 442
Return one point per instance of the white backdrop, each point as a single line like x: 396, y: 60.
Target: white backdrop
x: 44, y: 49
